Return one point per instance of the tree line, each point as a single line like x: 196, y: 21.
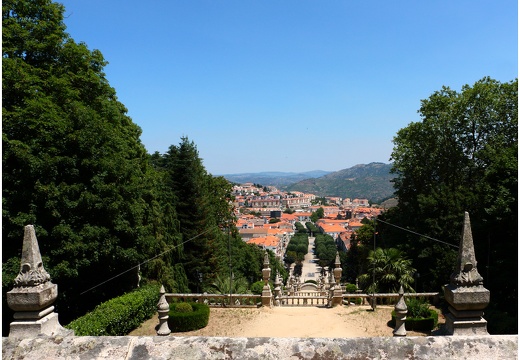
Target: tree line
x: 462, y: 156
x: 75, y: 168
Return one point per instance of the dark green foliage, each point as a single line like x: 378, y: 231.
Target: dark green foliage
x: 417, y: 307
x: 297, y: 248
x: 188, y: 321
x: 462, y: 156
x: 426, y: 323
x: 300, y: 228
x: 183, y: 307
x: 351, y: 288
x: 120, y: 315
x: 256, y: 287
x: 313, y: 229
x: 387, y: 270
x: 325, y: 250
x: 73, y: 164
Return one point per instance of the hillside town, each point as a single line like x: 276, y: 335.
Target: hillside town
x: 266, y: 215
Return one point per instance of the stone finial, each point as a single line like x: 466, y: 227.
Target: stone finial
x: 400, y: 315
x: 163, y: 308
x: 32, y: 272
x: 465, y: 294
x: 33, y: 294
x: 466, y: 273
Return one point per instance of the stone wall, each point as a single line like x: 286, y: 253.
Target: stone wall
x: 170, y: 347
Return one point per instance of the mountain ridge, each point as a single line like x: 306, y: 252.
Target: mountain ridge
x: 371, y: 181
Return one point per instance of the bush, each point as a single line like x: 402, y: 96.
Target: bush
x: 427, y: 323
x: 120, y: 315
x: 183, y: 307
x: 351, y: 288
x: 417, y: 308
x: 419, y: 317
x: 188, y: 321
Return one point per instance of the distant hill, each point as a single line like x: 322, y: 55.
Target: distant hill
x: 274, y: 178
x: 370, y: 181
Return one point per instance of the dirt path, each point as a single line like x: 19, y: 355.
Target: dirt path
x: 353, y: 321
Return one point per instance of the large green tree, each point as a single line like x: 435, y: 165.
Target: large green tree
x: 462, y: 156
x: 73, y: 164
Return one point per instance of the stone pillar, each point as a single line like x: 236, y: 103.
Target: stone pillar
x: 163, y: 308
x: 33, y: 295
x: 277, y: 289
x: 337, y: 296
x: 465, y: 293
x: 400, y: 315
x: 267, y: 296
x: 332, y: 285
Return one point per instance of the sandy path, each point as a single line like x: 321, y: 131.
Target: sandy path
x: 353, y: 321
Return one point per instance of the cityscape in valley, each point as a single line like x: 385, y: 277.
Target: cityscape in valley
x: 266, y: 215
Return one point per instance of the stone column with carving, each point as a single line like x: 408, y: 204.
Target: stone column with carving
x: 267, y: 296
x: 337, y: 296
x: 163, y: 308
x: 33, y: 295
x: 400, y: 315
x: 465, y: 294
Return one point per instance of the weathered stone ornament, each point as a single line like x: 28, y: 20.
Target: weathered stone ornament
x: 337, y: 294
x: 400, y: 314
x: 465, y: 293
x: 267, y: 296
x: 33, y: 294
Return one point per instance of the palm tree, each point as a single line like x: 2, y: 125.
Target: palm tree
x: 388, y: 269
x: 221, y: 285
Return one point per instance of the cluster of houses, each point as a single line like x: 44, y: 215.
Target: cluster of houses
x: 262, y: 216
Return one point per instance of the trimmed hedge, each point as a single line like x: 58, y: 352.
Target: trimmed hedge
x: 188, y: 321
x: 120, y: 315
x: 420, y: 324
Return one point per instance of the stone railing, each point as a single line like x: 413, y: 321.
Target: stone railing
x: 219, y: 300
x: 349, y: 298
x: 309, y: 300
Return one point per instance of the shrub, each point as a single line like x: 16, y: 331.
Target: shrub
x: 351, y: 288
x: 417, y: 308
x: 188, y: 321
x: 120, y: 315
x: 419, y: 317
x: 183, y: 307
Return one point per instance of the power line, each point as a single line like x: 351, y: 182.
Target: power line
x: 416, y: 233
x: 146, y: 261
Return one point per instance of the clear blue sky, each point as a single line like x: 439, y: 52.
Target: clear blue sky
x: 285, y: 85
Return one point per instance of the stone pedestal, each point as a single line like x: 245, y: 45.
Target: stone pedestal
x: 33, y: 295
x: 466, y: 310
x: 465, y: 293
x: 46, y: 325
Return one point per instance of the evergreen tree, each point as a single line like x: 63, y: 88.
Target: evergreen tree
x: 73, y: 164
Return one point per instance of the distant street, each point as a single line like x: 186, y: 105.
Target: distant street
x: 310, y: 268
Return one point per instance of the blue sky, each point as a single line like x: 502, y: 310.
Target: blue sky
x: 290, y: 85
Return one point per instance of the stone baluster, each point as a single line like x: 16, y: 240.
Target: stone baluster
x: 33, y: 295
x: 465, y: 294
x: 163, y: 308
x: 267, y: 296
x: 400, y: 315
